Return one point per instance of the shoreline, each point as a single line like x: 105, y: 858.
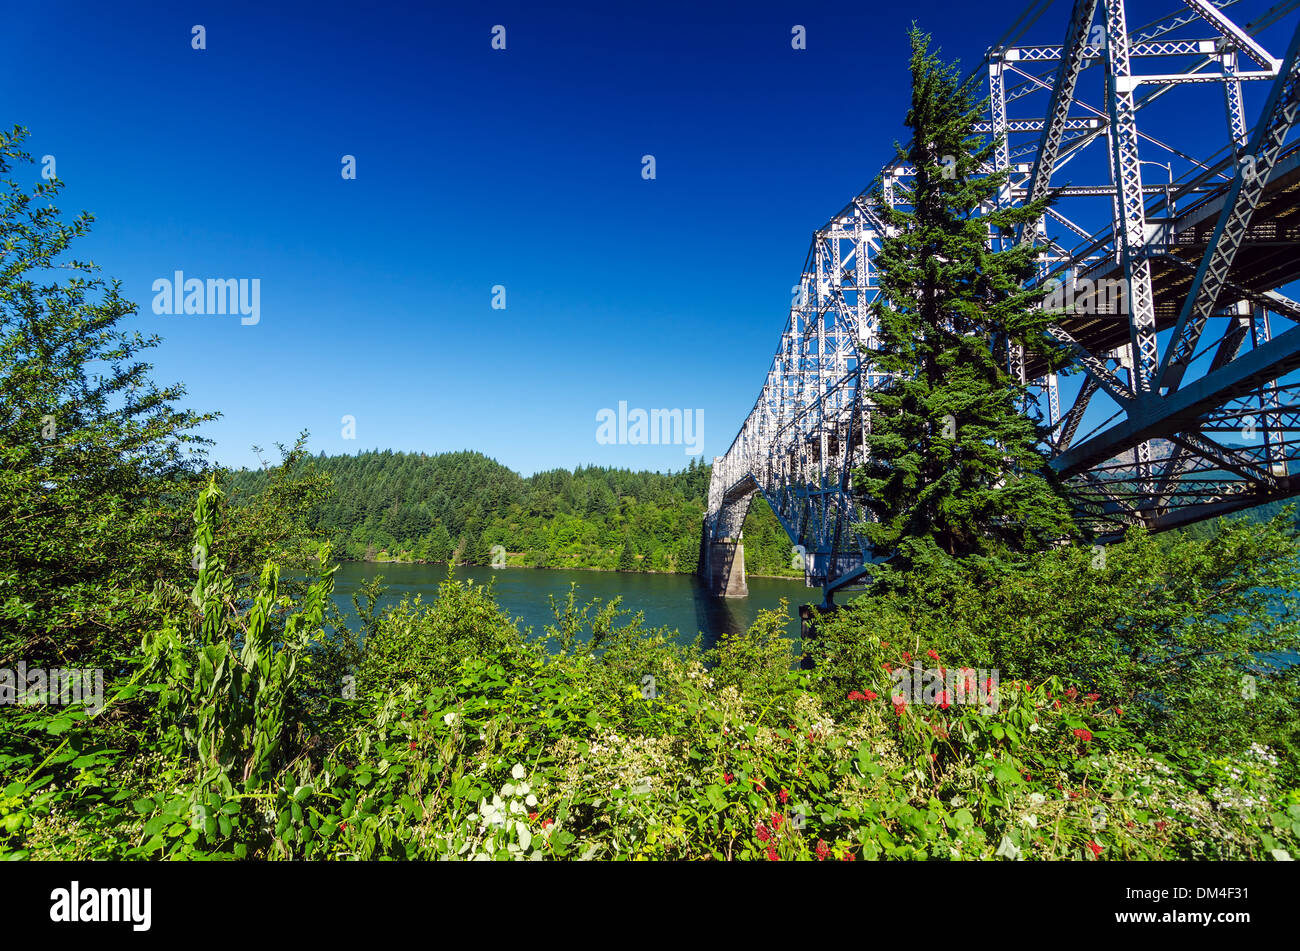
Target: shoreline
x: 398, y: 561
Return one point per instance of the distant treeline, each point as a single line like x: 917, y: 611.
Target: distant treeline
x: 456, y: 506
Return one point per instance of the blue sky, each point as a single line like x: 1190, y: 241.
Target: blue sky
x: 475, y: 167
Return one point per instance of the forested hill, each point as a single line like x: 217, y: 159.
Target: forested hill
x: 456, y: 506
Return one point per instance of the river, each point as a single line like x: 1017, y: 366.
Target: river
x: 677, y: 602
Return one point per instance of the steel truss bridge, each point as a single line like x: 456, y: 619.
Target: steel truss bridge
x: 1178, y: 405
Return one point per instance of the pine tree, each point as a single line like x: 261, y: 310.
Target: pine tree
x: 954, y: 466
x: 440, y: 544
x: 627, y: 560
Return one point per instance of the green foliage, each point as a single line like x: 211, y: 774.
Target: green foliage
x: 1194, y: 638
x: 227, y: 705
x: 396, y: 506
x: 756, y: 661
x: 94, y: 458
x: 604, y: 740
x: 274, y: 519
x: 420, y: 644
x: 627, y: 559
x: 954, y: 464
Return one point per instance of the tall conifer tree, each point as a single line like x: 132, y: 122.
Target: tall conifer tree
x: 955, y: 466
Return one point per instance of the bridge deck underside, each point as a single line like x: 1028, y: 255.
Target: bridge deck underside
x: 1269, y: 258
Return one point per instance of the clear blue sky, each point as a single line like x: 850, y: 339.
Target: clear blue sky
x: 475, y: 167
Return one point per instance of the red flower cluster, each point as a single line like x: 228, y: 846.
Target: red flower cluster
x: 1096, y: 849
x: 859, y: 695
x: 1083, y: 735
x: 932, y: 654
x: 771, y: 854
x: 899, y: 704
x: 412, y: 746
x: 823, y: 850
x: 785, y: 796
x: 1092, y: 697
x: 907, y: 657
x: 762, y: 832
x: 727, y: 778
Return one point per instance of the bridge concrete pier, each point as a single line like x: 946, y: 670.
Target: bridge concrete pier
x: 723, y: 567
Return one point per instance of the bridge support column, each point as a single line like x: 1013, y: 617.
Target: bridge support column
x: 725, y: 568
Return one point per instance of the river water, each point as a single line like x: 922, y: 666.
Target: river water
x: 677, y: 602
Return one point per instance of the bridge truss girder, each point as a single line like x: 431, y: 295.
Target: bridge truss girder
x: 1200, y: 341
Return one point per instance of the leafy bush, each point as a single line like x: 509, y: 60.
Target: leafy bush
x: 465, y: 739
x: 1195, y: 638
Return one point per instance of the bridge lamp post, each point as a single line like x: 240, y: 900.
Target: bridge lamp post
x: 1169, y: 189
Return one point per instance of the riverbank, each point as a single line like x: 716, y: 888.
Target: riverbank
x: 679, y: 604
x: 513, y: 562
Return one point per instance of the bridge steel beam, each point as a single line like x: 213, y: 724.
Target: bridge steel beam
x: 1253, y: 172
